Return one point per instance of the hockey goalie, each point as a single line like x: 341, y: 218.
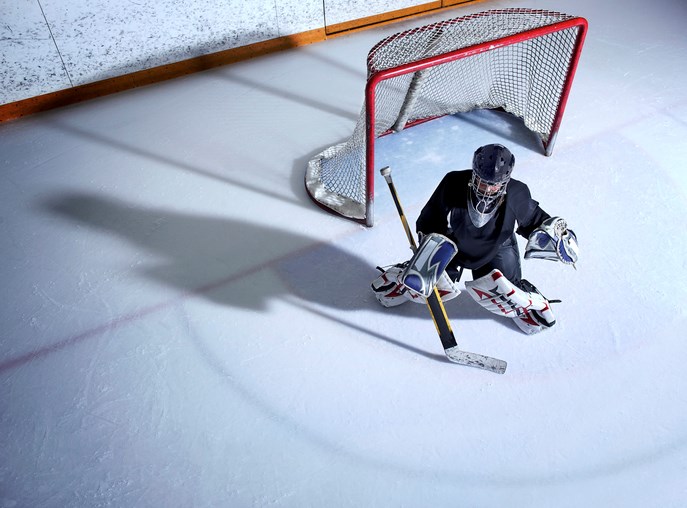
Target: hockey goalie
x: 470, y: 221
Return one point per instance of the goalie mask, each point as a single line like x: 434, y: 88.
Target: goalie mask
x: 492, y: 166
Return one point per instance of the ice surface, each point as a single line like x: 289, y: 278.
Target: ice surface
x: 182, y: 326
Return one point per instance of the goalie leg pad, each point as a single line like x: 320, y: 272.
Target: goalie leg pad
x: 529, y: 309
x: 391, y: 292
x: 448, y: 289
x: 387, y: 288
x: 534, y: 321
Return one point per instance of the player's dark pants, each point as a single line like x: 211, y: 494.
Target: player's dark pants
x: 506, y: 260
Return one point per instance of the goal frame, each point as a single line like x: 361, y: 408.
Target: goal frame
x: 377, y: 77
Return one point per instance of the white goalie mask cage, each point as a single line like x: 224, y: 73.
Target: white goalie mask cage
x: 484, y: 199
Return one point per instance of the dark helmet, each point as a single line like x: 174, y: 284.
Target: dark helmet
x: 492, y: 166
x: 493, y: 163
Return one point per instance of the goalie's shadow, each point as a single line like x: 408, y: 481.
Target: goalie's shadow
x: 241, y: 264
x: 229, y: 261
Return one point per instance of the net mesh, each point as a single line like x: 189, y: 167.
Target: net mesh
x: 525, y: 78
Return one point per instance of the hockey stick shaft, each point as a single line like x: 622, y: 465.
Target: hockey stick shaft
x: 386, y: 173
x: 434, y: 303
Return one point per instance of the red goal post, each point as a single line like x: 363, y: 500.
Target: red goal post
x: 521, y: 61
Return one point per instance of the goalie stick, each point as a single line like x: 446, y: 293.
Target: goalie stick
x: 436, y: 306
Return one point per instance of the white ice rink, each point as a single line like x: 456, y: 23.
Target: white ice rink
x: 181, y: 326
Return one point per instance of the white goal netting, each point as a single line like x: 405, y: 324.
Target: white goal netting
x: 518, y: 60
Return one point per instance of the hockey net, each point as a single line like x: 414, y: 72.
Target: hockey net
x: 521, y: 61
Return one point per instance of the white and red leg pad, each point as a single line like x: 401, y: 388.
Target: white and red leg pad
x: 530, y: 310
x: 390, y: 291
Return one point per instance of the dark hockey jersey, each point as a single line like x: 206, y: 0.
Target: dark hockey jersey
x: 446, y: 213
